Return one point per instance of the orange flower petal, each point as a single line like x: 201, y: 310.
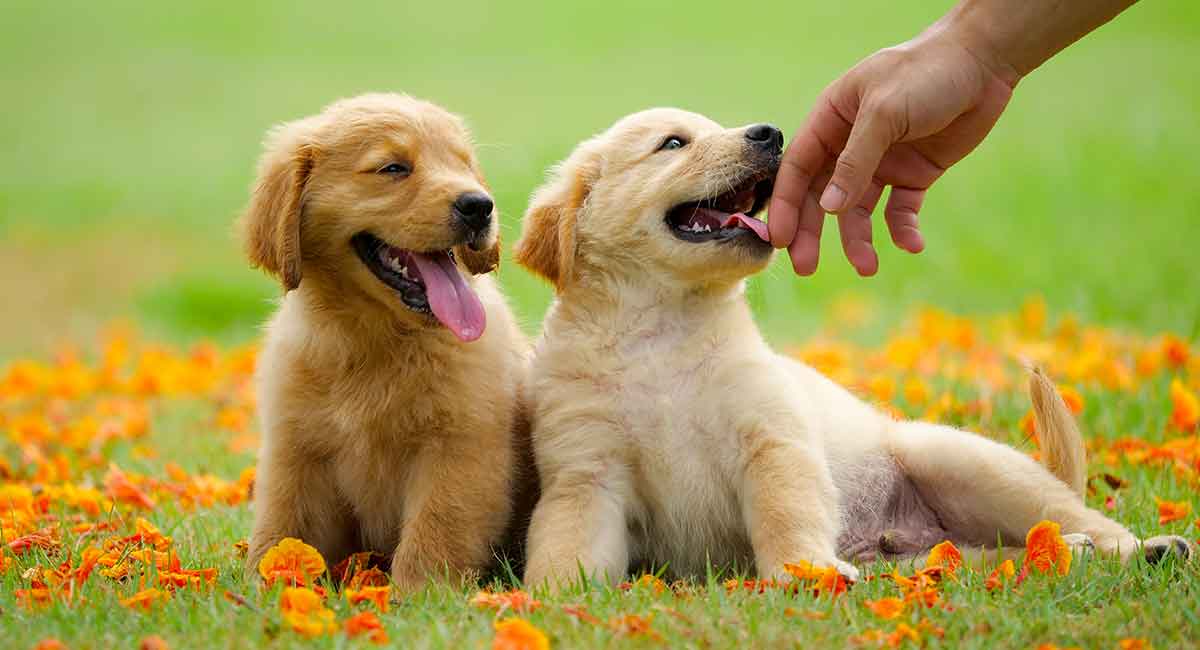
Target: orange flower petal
x: 366, y: 623
x: 381, y: 596
x: 304, y: 611
x: 1185, y: 407
x: 945, y: 555
x: 886, y: 608
x: 291, y: 561
x: 146, y: 599
x: 1169, y: 511
x: 518, y: 634
x: 1000, y: 575
x: 516, y: 600
x: 1045, y: 549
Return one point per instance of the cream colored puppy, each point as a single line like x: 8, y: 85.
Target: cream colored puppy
x: 666, y: 431
x: 390, y: 378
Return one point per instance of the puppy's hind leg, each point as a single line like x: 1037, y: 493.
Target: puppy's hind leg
x: 982, y: 489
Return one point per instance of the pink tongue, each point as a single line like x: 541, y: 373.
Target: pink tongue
x: 742, y: 221
x: 452, y: 301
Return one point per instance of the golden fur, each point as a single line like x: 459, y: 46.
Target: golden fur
x: 667, y: 432
x: 381, y: 430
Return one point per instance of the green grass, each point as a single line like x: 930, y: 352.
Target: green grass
x: 1097, y: 604
x: 129, y: 131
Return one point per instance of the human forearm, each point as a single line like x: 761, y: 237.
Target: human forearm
x: 1014, y: 37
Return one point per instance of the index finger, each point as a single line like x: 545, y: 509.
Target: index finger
x: 805, y: 157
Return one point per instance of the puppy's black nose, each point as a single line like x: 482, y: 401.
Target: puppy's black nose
x: 474, y: 209
x: 766, y: 136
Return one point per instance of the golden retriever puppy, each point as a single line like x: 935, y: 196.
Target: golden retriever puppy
x: 667, y: 433
x: 390, y: 377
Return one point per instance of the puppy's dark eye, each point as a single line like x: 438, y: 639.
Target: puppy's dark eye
x: 672, y: 143
x: 395, y: 169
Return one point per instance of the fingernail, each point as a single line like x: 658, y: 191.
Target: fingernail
x: 832, y: 198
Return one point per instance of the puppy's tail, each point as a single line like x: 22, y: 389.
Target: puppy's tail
x: 1062, y: 445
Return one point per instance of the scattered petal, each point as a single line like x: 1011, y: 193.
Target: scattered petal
x: 886, y: 608
x: 1169, y: 511
x: 380, y: 596
x: 516, y: 601
x: 366, y: 623
x: 944, y: 555
x: 518, y: 634
x: 292, y: 562
x: 1000, y: 575
x: 1045, y: 549
x: 146, y: 599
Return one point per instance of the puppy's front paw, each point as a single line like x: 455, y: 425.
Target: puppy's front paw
x: 407, y: 582
x: 1080, y: 543
x: 783, y: 574
x: 848, y: 571
x: 1157, y: 549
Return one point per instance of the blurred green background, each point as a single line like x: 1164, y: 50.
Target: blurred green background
x: 129, y: 131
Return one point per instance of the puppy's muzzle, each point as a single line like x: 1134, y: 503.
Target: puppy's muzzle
x: 472, y: 212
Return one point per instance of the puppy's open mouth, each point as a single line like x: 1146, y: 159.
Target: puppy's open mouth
x: 427, y: 282
x: 726, y: 216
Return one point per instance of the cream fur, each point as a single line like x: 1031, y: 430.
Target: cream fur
x: 666, y: 431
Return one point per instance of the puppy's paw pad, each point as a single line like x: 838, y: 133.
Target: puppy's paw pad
x: 1157, y: 549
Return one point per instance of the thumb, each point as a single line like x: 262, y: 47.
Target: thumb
x: 869, y: 138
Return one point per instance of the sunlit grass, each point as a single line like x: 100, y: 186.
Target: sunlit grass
x: 98, y: 436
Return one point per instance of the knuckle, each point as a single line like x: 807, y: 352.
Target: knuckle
x: 848, y: 166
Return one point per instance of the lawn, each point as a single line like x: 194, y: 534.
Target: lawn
x: 113, y: 446
x: 128, y: 134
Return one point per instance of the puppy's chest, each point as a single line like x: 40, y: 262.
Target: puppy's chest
x: 395, y: 401
x: 386, y: 421
x: 685, y: 462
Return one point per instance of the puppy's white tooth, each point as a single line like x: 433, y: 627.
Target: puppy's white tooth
x: 707, y: 228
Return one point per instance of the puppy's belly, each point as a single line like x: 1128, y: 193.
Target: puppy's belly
x: 882, y: 513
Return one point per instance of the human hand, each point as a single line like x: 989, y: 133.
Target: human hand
x: 899, y: 118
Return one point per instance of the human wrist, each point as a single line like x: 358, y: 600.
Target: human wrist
x: 1013, y: 38
x: 980, y: 28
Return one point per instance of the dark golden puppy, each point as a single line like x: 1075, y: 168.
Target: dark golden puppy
x: 390, y: 377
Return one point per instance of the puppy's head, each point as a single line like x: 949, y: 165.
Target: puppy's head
x: 663, y: 192
x: 377, y: 197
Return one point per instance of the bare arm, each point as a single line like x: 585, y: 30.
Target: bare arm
x: 1016, y: 37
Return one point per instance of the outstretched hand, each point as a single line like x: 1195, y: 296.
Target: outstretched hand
x: 899, y: 118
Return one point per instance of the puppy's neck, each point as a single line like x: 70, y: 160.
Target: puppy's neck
x: 345, y: 314
x: 634, y: 307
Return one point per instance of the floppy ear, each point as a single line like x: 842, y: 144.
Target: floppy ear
x: 484, y: 260
x: 271, y: 223
x: 547, y: 245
